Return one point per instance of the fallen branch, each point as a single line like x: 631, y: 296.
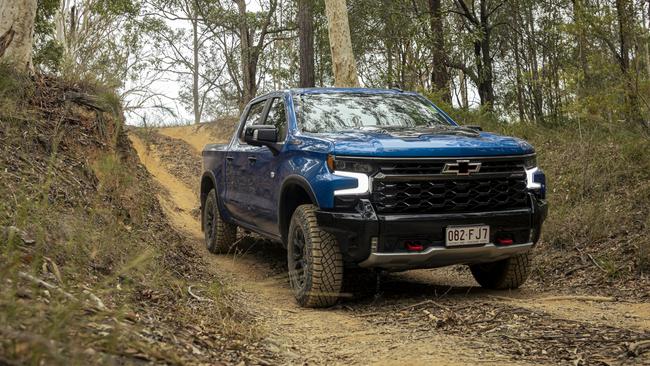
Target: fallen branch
x: 47, y: 285
x: 596, y: 263
x: 198, y: 298
x: 410, y: 307
x: 98, y: 302
x: 426, y: 302
x: 638, y: 348
x: 558, y: 298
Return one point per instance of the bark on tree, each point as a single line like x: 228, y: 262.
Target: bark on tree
x: 17, y: 32
x: 536, y: 84
x: 439, y: 74
x: 306, y: 38
x: 518, y: 72
x: 343, y: 62
x: 195, y: 72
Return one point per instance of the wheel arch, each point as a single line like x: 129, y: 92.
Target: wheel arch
x: 295, y: 191
x: 209, y: 182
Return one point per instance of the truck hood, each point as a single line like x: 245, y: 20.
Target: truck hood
x: 456, y: 142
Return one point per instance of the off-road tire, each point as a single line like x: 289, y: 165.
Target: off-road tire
x: 316, y: 267
x: 505, y: 274
x: 219, y: 235
x: 359, y: 283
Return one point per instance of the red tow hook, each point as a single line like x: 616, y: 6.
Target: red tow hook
x: 504, y: 241
x: 414, y: 247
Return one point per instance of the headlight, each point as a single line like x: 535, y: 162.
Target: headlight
x: 348, y: 165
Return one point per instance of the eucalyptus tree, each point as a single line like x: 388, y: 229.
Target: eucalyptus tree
x: 17, y: 19
x: 344, y: 65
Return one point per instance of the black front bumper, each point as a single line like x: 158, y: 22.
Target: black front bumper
x: 370, y: 240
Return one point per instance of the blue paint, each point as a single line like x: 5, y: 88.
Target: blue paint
x: 249, y: 192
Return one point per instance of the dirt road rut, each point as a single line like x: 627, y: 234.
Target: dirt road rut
x: 419, y: 317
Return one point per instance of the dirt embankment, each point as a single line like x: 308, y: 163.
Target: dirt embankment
x: 91, y: 271
x: 418, y: 317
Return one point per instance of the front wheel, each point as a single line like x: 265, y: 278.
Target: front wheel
x: 314, y: 259
x: 509, y: 273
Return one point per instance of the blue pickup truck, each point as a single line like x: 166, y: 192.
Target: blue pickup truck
x: 355, y: 181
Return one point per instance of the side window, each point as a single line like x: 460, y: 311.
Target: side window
x: 254, y: 117
x: 278, y: 117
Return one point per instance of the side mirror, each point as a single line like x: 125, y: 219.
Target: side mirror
x: 262, y: 135
x: 474, y: 127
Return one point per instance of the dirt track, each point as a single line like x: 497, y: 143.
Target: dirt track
x: 419, y: 317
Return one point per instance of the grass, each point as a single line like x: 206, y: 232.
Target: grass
x: 599, y: 192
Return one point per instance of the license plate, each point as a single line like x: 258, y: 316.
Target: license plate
x: 467, y: 235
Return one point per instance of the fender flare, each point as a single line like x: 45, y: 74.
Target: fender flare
x: 290, y: 180
x: 203, y: 195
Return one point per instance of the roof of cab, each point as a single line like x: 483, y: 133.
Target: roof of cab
x: 299, y: 91
x: 346, y: 90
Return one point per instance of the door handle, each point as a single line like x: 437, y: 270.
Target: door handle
x: 252, y: 159
x: 229, y: 158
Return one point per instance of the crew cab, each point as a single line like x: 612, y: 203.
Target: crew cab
x: 370, y: 180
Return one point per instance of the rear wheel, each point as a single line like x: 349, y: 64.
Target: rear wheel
x: 219, y: 235
x: 314, y: 259
x: 505, y: 274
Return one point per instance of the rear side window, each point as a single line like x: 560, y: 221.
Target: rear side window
x: 254, y: 117
x: 278, y: 117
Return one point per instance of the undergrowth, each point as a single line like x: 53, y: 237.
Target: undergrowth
x: 599, y: 198
x: 90, y: 271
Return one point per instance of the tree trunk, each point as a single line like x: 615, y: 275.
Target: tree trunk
x: 463, y: 90
x: 439, y: 74
x: 248, y: 64
x: 484, y: 60
x: 580, y: 24
x: 306, y: 37
x: 17, y: 32
x: 195, y: 72
x: 519, y: 89
x: 538, y: 106
x: 343, y: 63
x: 625, y: 15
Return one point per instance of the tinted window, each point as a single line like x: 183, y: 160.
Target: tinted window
x: 321, y: 113
x: 254, y: 116
x: 278, y: 118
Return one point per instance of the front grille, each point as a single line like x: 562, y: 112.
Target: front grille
x: 449, y: 195
x: 435, y: 167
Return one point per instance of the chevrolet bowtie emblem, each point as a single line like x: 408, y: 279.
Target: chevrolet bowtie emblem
x: 461, y: 167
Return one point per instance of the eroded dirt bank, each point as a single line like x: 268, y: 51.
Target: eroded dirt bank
x: 418, y: 317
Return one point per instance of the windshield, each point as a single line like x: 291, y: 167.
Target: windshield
x: 323, y: 113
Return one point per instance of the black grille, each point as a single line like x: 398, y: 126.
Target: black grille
x: 449, y: 195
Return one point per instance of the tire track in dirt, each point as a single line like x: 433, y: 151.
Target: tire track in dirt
x: 373, y: 332
x: 306, y: 335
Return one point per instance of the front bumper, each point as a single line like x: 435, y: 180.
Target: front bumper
x: 378, y: 241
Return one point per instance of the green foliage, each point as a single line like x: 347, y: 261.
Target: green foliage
x: 48, y: 53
